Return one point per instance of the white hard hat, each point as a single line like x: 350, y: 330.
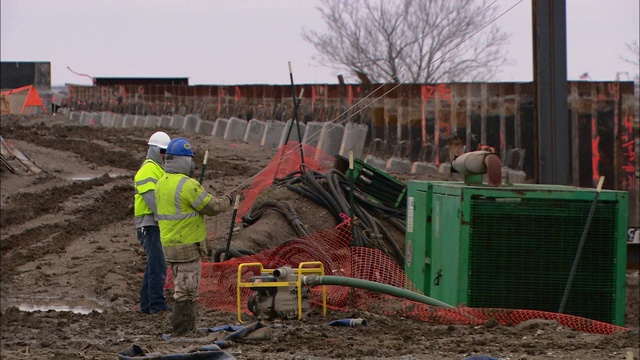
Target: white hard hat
x: 159, y: 139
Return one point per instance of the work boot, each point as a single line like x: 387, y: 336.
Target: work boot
x: 183, y: 319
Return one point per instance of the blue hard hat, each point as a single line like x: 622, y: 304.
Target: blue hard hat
x: 179, y: 146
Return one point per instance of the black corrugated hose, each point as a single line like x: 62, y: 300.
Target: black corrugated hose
x: 333, y: 191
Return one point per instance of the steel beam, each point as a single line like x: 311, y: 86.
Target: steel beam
x: 552, y: 155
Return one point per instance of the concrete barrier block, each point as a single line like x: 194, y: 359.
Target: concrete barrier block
x: 293, y: 134
x: 190, y: 124
x: 376, y: 162
x: 235, y: 129
x: 272, y: 134
x: 205, y: 127
x: 312, y: 132
x: 63, y: 112
x: 165, y: 121
x: 254, y: 132
x: 177, y: 121
x: 445, y: 168
x: 330, y: 138
x: 517, y: 176
x: 86, y: 118
x: 139, y: 121
x: 421, y: 167
x: 353, y: 139
x: 220, y: 127
x: 505, y: 173
x: 128, y: 121
x: 75, y: 116
x: 396, y: 165
x: 107, y: 119
x: 118, y: 120
x: 152, y: 121
x: 96, y: 118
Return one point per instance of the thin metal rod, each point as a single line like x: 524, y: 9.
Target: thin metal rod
x: 204, y: 166
x: 227, y: 256
x: 567, y: 289
x: 296, y: 103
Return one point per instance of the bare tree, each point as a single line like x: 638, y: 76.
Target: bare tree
x: 419, y: 41
x: 634, y: 52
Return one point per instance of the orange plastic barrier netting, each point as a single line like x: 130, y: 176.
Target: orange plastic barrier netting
x: 332, y: 248
x: 286, y: 161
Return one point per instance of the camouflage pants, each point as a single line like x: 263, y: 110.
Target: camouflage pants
x: 186, y: 279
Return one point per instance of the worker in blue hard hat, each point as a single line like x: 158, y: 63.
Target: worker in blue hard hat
x: 152, y: 298
x: 182, y: 204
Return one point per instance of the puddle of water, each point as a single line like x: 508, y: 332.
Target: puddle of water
x: 74, y: 309
x: 87, y: 177
x: 76, y: 306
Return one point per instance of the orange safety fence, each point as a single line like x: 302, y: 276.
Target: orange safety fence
x: 287, y: 160
x: 333, y: 248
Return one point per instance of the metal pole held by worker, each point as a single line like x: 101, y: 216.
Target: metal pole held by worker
x: 227, y: 256
x: 204, y: 166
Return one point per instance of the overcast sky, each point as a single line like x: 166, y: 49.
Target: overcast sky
x: 251, y: 41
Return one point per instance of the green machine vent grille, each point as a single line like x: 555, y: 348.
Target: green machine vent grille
x: 521, y: 252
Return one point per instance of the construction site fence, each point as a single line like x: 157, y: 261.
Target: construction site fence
x: 602, y: 116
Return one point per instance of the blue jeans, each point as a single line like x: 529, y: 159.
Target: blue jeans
x: 152, y: 297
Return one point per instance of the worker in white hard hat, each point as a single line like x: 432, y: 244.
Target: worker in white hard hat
x: 152, y: 297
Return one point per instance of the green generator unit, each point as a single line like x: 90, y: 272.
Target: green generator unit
x: 514, y: 247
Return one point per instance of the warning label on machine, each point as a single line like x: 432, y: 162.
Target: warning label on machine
x: 410, y: 214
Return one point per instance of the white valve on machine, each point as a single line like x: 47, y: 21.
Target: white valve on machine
x: 478, y: 163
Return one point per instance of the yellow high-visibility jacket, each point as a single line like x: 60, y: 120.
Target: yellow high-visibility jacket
x: 179, y: 199
x: 145, y: 180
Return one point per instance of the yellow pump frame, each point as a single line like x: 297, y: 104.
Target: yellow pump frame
x: 302, y: 269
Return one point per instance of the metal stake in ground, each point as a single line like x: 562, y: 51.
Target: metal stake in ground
x: 295, y: 112
x: 296, y: 103
x: 580, y: 246
x: 227, y: 256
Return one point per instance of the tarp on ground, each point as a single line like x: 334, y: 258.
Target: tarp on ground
x: 206, y: 352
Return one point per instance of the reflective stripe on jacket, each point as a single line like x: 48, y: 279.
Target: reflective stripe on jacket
x: 179, y: 199
x: 145, y: 180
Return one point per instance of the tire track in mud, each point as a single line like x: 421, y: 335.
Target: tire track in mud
x: 23, y: 207
x: 113, y: 206
x: 82, y: 142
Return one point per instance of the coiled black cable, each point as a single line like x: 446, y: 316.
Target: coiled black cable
x: 332, y: 191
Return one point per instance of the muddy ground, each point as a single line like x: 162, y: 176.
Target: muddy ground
x: 68, y: 242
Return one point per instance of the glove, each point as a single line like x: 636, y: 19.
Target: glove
x: 230, y: 199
